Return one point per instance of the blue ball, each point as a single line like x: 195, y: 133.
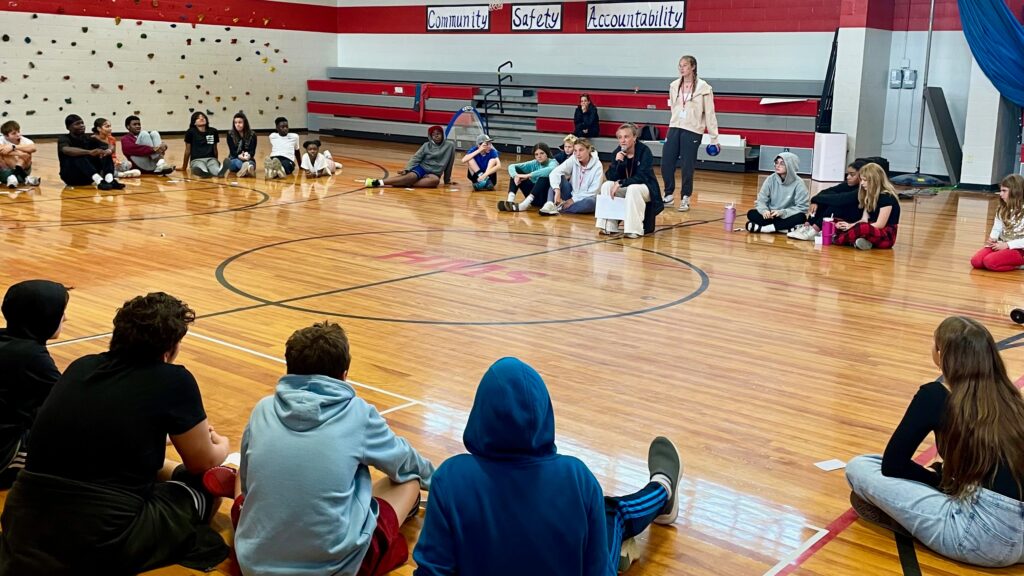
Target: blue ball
x: 713, y: 149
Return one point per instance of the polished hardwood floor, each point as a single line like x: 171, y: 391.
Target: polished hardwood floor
x: 757, y: 354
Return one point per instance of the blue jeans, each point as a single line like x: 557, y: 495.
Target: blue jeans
x: 627, y: 516
x: 234, y: 164
x: 582, y: 206
x: 986, y: 529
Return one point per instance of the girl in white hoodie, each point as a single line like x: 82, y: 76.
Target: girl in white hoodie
x: 575, y: 183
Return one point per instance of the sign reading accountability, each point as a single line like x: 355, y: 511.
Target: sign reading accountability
x: 533, y: 17
x: 458, y: 18
x: 635, y: 15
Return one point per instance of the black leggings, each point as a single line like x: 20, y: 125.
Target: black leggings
x: 539, y: 189
x: 680, y: 145
x: 780, y: 223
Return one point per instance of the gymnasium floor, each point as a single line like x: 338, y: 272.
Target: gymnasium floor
x: 758, y: 355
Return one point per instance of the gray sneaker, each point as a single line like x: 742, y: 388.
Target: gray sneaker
x: 663, y: 458
x: 32, y: 180
x: 863, y: 244
x: 684, y: 204
x: 549, y: 209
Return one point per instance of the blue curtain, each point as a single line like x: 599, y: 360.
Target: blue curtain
x: 996, y: 39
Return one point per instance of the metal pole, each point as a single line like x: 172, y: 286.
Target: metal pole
x: 924, y: 86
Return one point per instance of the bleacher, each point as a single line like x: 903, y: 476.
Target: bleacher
x: 399, y: 105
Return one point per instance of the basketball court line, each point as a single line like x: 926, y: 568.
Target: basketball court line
x: 409, y: 402
x: 792, y: 556
x: 847, y: 518
x: 283, y: 303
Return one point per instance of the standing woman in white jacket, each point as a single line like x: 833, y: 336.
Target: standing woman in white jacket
x: 692, y: 103
x: 575, y: 183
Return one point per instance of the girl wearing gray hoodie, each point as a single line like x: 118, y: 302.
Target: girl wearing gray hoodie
x: 783, y: 200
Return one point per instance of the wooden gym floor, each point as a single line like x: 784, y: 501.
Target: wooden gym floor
x: 758, y: 355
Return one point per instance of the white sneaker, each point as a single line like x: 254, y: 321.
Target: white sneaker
x: 669, y: 199
x: 804, y: 232
x: 133, y: 173
x: 549, y: 209
x: 684, y: 204
x: 161, y: 164
x: 338, y: 166
x: 611, y: 229
x: 32, y: 180
x: 12, y: 181
x: 244, y: 170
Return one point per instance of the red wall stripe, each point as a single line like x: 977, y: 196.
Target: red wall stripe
x: 730, y: 104
x: 359, y: 87
x: 754, y: 137
x: 235, y: 13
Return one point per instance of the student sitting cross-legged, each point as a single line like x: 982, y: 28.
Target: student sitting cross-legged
x: 97, y: 495
x: 308, y: 505
x: 783, y: 199
x: 970, y: 506
x: 514, y: 506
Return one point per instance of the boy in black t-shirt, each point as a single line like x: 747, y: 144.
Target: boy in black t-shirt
x: 83, y: 159
x: 97, y: 494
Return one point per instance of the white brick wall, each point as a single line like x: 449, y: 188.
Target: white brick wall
x: 155, y: 88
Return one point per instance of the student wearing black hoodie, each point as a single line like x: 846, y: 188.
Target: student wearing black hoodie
x: 588, y: 124
x: 838, y: 202
x: 34, y: 311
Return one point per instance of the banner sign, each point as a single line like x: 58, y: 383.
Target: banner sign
x: 475, y: 18
x: 612, y: 16
x: 536, y: 17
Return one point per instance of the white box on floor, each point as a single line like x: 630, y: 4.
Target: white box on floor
x: 829, y: 162
x: 610, y: 208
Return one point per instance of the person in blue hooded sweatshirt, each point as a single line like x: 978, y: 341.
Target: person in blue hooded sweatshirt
x: 514, y: 506
x: 310, y: 507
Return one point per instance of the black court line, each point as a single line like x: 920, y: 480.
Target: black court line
x: 255, y: 206
x: 284, y: 303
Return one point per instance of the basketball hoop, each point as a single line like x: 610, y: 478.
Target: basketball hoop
x: 497, y: 5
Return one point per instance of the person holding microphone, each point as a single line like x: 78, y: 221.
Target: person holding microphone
x: 692, y: 103
x: 631, y: 176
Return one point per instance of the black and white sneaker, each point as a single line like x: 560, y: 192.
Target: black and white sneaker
x: 663, y: 462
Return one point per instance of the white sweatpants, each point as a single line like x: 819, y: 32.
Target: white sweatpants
x: 637, y: 197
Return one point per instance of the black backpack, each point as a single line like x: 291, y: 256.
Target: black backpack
x: 649, y: 132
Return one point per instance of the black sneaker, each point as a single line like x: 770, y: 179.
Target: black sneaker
x: 868, y: 511
x: 223, y: 170
x: 506, y: 206
x: 663, y: 458
x: 117, y: 185
x: 104, y: 185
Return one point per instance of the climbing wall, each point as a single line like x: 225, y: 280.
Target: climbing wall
x: 109, y: 60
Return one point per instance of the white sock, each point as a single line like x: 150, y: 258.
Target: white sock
x: 511, y: 196
x: 768, y: 229
x: 109, y: 178
x: 525, y: 204
x: 664, y: 481
x: 96, y: 179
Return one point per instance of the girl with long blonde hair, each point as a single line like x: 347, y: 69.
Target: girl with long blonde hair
x: 881, y: 217
x: 1004, y: 249
x: 968, y: 507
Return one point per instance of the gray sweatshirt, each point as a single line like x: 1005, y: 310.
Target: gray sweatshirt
x: 789, y: 196
x: 435, y: 158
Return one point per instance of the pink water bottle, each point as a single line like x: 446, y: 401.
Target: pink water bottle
x: 828, y: 229
x: 730, y: 216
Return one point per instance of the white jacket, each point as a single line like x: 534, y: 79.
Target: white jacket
x: 585, y: 180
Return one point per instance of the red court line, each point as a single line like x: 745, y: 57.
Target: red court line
x: 840, y: 524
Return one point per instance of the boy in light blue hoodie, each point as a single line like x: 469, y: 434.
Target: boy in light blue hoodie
x: 310, y: 507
